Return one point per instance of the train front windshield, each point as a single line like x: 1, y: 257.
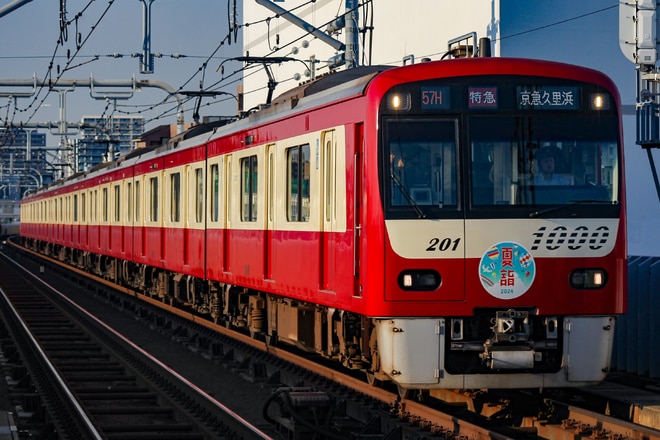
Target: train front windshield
x: 475, y: 149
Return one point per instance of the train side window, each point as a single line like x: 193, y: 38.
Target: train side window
x: 95, y: 206
x: 117, y: 204
x: 83, y: 207
x: 175, y: 194
x: 153, y: 199
x: 298, y: 172
x: 249, y: 171
x: 75, y: 208
x: 270, y: 186
x: 129, y: 202
x: 330, y: 170
x: 199, y: 195
x: 104, y: 205
x: 215, y: 192
x: 137, y: 200
x: 92, y: 216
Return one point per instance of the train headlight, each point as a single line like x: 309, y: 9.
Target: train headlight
x: 588, y: 278
x: 419, y: 279
x: 398, y: 101
x: 600, y: 101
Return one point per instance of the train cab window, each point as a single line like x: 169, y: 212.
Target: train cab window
x: 298, y: 181
x: 543, y: 160
x: 420, y: 164
x: 153, y: 199
x: 249, y: 173
x: 175, y: 197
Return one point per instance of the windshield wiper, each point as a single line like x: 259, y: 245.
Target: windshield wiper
x: 407, y: 196
x: 566, y: 205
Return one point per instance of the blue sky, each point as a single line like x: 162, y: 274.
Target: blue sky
x: 193, y: 28
x: 584, y: 33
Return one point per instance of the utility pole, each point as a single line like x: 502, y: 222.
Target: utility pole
x: 147, y: 58
x: 638, y: 39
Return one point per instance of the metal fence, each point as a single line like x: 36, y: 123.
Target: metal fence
x: 637, y: 343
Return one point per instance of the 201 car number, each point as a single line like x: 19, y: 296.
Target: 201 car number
x: 443, y: 244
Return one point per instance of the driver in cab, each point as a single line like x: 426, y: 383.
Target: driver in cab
x: 547, y: 159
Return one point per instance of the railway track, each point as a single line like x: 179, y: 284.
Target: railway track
x: 95, y: 383
x: 304, y: 390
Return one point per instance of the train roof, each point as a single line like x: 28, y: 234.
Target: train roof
x: 330, y: 87
x: 329, y: 81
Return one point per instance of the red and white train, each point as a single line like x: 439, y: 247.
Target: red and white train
x: 450, y: 224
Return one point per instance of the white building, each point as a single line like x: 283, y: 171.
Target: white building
x: 417, y: 29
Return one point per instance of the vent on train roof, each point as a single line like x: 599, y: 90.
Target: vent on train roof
x: 200, y: 129
x: 327, y: 82
x: 341, y: 77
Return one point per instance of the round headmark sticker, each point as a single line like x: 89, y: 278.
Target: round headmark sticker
x: 507, y: 270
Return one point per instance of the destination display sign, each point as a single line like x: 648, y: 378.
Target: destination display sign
x: 548, y: 98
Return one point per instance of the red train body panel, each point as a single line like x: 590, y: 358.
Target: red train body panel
x: 396, y: 219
